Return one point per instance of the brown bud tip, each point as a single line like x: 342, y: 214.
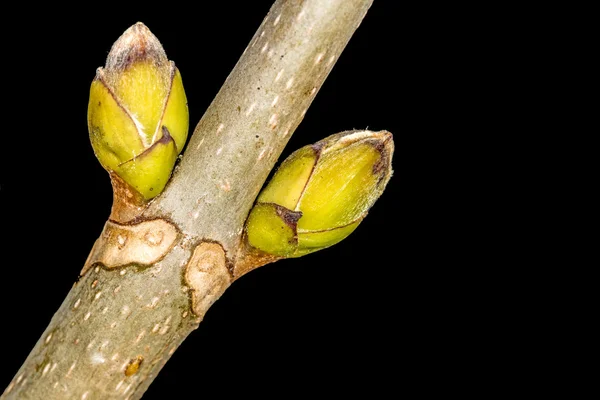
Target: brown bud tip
x: 135, y: 44
x: 385, y: 145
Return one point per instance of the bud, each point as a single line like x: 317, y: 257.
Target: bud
x: 321, y: 193
x: 137, y: 114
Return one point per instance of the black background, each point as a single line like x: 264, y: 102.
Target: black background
x: 380, y: 313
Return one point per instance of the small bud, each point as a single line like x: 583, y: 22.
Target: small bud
x: 137, y: 113
x: 321, y: 193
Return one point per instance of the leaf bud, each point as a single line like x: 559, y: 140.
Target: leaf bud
x: 137, y: 113
x: 321, y: 193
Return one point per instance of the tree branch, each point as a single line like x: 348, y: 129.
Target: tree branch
x: 131, y: 309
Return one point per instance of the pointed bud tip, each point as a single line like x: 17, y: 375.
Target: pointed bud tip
x: 382, y: 141
x: 136, y: 44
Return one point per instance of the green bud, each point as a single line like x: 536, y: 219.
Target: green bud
x: 137, y: 113
x: 321, y: 193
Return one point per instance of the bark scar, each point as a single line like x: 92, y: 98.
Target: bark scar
x: 145, y: 243
x: 207, y: 275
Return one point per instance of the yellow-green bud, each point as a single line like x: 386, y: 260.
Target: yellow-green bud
x: 320, y: 193
x: 137, y: 114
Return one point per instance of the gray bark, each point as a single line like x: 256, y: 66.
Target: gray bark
x: 122, y: 321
